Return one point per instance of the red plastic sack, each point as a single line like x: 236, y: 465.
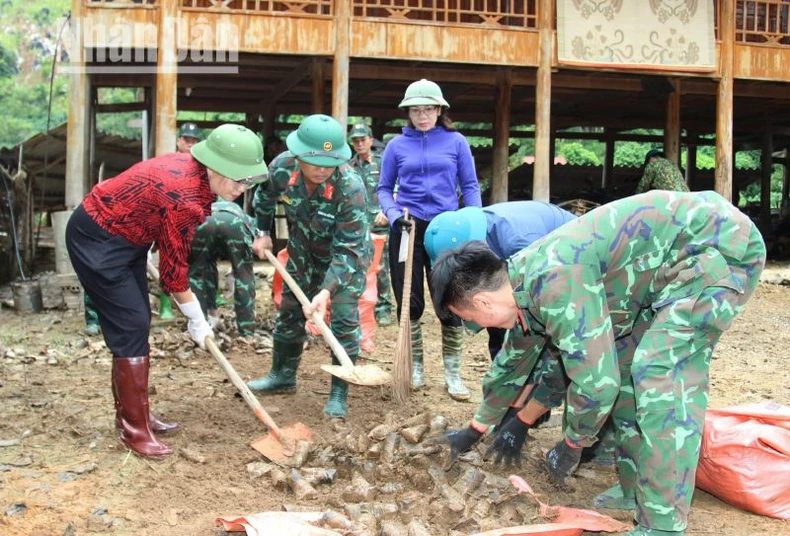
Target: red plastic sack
x: 367, y: 302
x: 745, y: 457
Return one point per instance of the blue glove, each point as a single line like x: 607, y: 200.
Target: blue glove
x: 509, y: 442
x: 562, y: 461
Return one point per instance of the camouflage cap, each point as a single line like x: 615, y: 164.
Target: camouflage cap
x: 360, y: 130
x: 190, y: 130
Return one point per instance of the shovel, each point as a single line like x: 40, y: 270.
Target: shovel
x: 280, y: 443
x: 369, y: 375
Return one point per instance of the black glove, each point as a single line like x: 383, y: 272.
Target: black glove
x: 509, y: 442
x: 460, y: 441
x: 511, y: 412
x: 402, y: 224
x: 562, y: 461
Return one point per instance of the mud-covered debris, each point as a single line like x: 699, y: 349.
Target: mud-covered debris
x: 393, y: 528
x: 318, y: 475
x: 416, y: 528
x: 191, y: 455
x: 301, y: 487
x: 335, y: 520
x: 258, y: 469
x: 301, y: 454
x: 470, y: 479
x: 359, y: 490
x: 374, y: 451
x: 380, y: 432
x: 9, y: 442
x: 482, y: 509
x: 438, y: 424
x: 390, y: 488
x: 421, y: 450
x: 279, y: 478
x: 414, y: 434
x: 82, y: 468
x: 388, y: 449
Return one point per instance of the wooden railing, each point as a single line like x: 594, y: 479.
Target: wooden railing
x: 762, y: 21
x: 757, y: 21
x: 511, y: 13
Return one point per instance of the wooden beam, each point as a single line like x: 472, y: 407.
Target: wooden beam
x: 77, y: 129
x: 499, y: 179
x: 672, y: 123
x: 608, y: 160
x: 166, y: 81
x: 724, y: 153
x: 541, y: 173
x: 317, y: 77
x: 120, y: 107
x: 341, y: 61
x: 766, y: 167
x: 287, y: 84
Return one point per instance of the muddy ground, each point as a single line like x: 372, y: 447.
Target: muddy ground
x: 63, y: 471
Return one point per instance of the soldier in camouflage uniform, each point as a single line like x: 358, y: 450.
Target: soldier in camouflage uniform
x: 227, y: 233
x: 329, y: 247
x: 660, y: 174
x: 633, y: 296
x: 367, y: 162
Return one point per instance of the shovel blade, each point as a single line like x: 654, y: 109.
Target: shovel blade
x: 279, y: 451
x: 368, y: 375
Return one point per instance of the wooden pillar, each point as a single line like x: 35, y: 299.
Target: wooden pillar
x: 785, y: 184
x: 542, y: 170
x: 691, y: 160
x: 766, y: 167
x: 269, y: 118
x: 608, y: 160
x: 317, y: 77
x: 499, y: 179
x: 672, y: 124
x: 724, y: 149
x: 78, y: 127
x: 341, y: 61
x: 166, y: 79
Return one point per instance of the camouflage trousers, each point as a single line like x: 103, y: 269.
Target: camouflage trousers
x: 660, y: 411
x: 289, y: 325
x: 203, y: 273
x: 383, y: 285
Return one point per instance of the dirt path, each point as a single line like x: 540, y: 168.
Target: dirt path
x: 69, y: 475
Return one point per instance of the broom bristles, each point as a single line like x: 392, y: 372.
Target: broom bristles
x: 401, y: 375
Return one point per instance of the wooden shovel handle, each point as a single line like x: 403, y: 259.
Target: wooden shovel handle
x: 405, y: 300
x: 329, y: 337
x: 239, y: 384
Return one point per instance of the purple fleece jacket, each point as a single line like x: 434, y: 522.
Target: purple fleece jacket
x: 428, y: 167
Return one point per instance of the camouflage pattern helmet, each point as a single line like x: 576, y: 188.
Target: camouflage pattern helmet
x: 423, y: 93
x: 319, y: 141
x: 233, y: 151
x: 450, y: 229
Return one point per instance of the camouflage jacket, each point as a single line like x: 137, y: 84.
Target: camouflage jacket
x: 584, y: 285
x: 224, y: 213
x: 662, y: 174
x: 368, y: 170
x: 328, y: 231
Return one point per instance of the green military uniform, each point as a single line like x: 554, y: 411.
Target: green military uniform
x: 91, y: 316
x: 368, y: 170
x: 634, y: 296
x: 227, y: 233
x: 661, y: 174
x: 329, y: 247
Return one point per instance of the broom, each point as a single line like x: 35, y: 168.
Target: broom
x: 401, y: 377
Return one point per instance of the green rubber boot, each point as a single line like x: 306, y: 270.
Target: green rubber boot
x: 165, y: 308
x: 285, y: 362
x: 615, y: 499
x: 417, y: 380
x: 452, y: 339
x: 337, y: 405
x: 639, y: 530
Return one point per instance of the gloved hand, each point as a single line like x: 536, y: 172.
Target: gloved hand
x: 509, y: 442
x: 197, y: 326
x: 402, y: 224
x: 460, y: 441
x: 562, y: 461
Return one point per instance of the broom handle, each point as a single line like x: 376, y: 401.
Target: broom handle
x: 239, y: 384
x: 330, y: 338
x: 405, y: 299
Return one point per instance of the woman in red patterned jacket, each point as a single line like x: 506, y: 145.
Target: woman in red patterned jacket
x: 162, y: 201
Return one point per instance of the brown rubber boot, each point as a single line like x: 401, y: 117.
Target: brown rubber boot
x: 130, y: 387
x: 157, y: 425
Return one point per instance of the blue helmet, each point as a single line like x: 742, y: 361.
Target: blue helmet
x: 449, y: 230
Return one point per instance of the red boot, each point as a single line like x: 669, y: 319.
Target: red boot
x: 130, y: 387
x: 157, y: 425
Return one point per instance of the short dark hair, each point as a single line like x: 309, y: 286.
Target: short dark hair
x: 458, y: 274
x: 654, y: 153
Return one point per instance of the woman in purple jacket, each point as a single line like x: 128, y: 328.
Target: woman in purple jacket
x: 430, y: 162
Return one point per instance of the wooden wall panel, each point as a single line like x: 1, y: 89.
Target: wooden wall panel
x: 762, y: 63
x: 127, y: 28
x: 389, y: 40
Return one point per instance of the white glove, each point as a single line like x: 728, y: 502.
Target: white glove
x: 197, y: 326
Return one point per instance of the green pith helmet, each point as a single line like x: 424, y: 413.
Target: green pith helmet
x: 190, y: 130
x: 423, y: 93
x: 233, y: 151
x: 360, y: 130
x: 319, y: 141
x: 450, y: 229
